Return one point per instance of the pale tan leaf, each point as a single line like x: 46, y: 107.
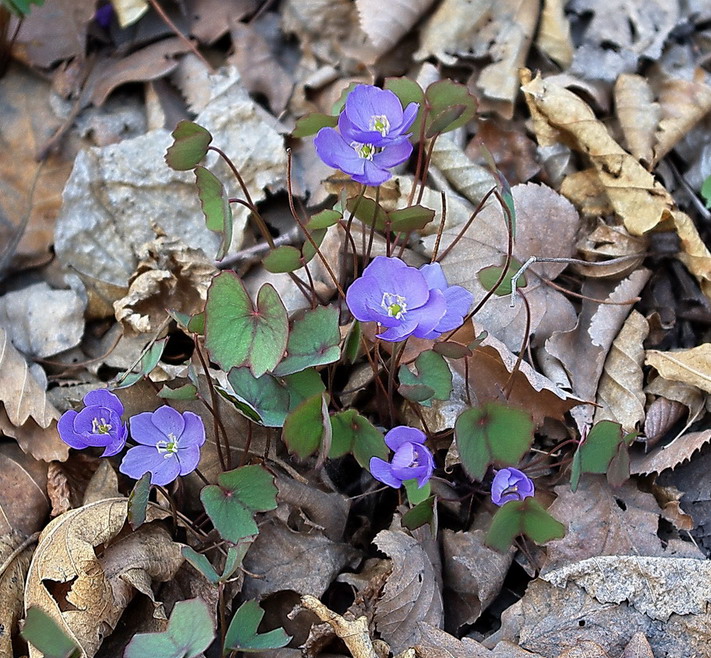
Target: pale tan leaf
x: 22, y: 396
x: 638, y: 647
x: 638, y: 114
x: 671, y: 455
x: 554, y: 33
x: 386, y: 23
x: 15, y: 554
x: 690, y: 366
x: 619, y: 392
x: 661, y: 416
x: 586, y: 191
x: 684, y: 103
x: 24, y: 504
x: 694, y: 252
x: 130, y: 11
x: 84, y: 590
x: 610, y: 242
x: 435, y: 643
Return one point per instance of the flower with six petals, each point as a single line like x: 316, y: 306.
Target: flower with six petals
x: 411, y: 461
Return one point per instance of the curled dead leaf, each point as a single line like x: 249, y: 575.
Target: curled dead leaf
x: 671, y: 455
x: 691, y: 366
x: 386, y: 23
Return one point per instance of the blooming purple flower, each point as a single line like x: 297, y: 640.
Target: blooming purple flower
x: 372, y: 137
x: 104, y: 15
x: 170, y: 445
x: 510, y: 484
x: 98, y: 425
x: 407, y: 301
x: 411, y: 461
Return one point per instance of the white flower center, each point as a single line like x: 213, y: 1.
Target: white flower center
x: 100, y: 426
x: 395, y: 305
x: 365, y: 151
x: 380, y: 123
x: 168, y: 448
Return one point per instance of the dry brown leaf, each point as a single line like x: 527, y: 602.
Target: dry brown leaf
x: 211, y: 18
x: 386, y: 23
x: 411, y: 594
x: 102, y: 485
x: 86, y: 590
x: 694, y: 252
x: 638, y: 114
x: 656, y: 586
x: 554, y: 33
x: 585, y: 649
x: 12, y: 579
x: 662, y: 414
x: 24, y: 504
x: 670, y: 455
x: 605, y: 521
x: 435, y: 643
x: 583, y: 350
x: 586, y: 191
x: 608, y: 242
x: 619, y: 392
x: 638, y: 647
x: 691, y: 366
x: 473, y: 575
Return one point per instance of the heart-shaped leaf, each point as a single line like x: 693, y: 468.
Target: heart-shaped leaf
x: 305, y: 427
x: 235, y: 556
x: 420, y: 514
x: 442, y: 96
x: 313, y: 341
x: 190, y: 142
x: 354, y: 433
x: 283, y: 259
x: 368, y: 211
x: 432, y: 372
x: 310, y: 124
x: 242, y: 633
x: 215, y: 206
x: 488, y: 277
x: 323, y: 219
x: 412, y: 218
x: 237, y: 333
x: 522, y: 517
x: 43, y: 633
x: 237, y: 496
x: 190, y: 631
x: 492, y: 434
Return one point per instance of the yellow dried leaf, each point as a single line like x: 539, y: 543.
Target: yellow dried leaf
x: 691, y: 366
x: 639, y: 115
x: 554, y: 33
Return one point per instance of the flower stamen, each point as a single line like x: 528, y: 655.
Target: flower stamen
x: 168, y: 448
x: 100, y: 426
x: 380, y: 123
x: 394, y: 305
x: 365, y: 151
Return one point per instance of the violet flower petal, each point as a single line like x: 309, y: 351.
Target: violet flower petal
x: 393, y: 154
x: 102, y: 397
x: 402, y: 434
x: 189, y: 458
x: 144, y: 431
x: 372, y: 174
x: 382, y: 471
x: 364, y: 299
x: 194, y: 433
x: 169, y: 421
x: 336, y: 152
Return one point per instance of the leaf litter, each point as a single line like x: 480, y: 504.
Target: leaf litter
x: 599, y: 156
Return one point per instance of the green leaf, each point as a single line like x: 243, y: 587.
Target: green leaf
x: 413, y: 218
x: 234, y: 559
x: 302, y: 385
x: 266, y: 397
x: 313, y: 341
x: 237, y: 496
x: 148, y: 361
x: 415, y: 493
x: 440, y: 122
x: 184, y: 392
x: 240, y: 334
x: 706, y: 191
x: 21, y: 7
x: 597, y: 452
x: 304, y: 427
x: 323, y: 219
x: 354, y: 433
x: 408, y: 91
x: 201, y: 564
x: 138, y: 501
x: 420, y: 514
x: 522, y: 517
x: 216, y: 207
x: 488, y: 277
x: 283, y: 259
x: 352, y: 346
x: 433, y: 372
x: 417, y: 393
x: 307, y: 250
x: 366, y: 210
x: 452, y: 350
x: 190, y: 631
x: 45, y: 634
x: 242, y: 634
x: 492, y: 434
x: 190, y: 143
x: 310, y: 124
x: 445, y: 94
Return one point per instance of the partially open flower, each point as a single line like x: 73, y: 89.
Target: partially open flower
x: 407, y: 301
x: 411, y: 461
x: 170, y: 445
x: 511, y: 484
x: 98, y: 425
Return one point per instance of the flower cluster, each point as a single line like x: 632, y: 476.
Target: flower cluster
x: 406, y: 300
x: 169, y: 441
x: 372, y: 135
x: 411, y: 461
x: 510, y: 484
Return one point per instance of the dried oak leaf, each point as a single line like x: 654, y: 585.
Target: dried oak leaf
x: 411, y: 594
x: 85, y: 571
x: 436, y: 643
x: 15, y: 561
x: 26, y: 407
x: 24, y: 504
x: 691, y: 366
x: 671, y: 455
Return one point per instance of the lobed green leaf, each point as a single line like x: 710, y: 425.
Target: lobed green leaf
x: 190, y: 142
x: 242, y: 633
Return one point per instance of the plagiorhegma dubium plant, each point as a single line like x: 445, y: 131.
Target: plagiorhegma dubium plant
x: 283, y: 372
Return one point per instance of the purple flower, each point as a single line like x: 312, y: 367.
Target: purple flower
x: 170, y: 445
x: 511, y: 484
x: 372, y: 137
x: 98, y: 425
x: 411, y: 461
x: 104, y: 15
x: 407, y: 301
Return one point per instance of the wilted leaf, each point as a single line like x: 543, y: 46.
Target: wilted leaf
x: 691, y: 366
x: 15, y: 560
x: 24, y: 504
x: 386, y: 24
x: 554, y: 33
x: 671, y: 455
x: 242, y: 633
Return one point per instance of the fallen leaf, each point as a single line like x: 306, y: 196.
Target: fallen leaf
x: 411, y: 594
x: 691, y: 366
x: 585, y: 649
x: 86, y: 589
x: 211, y: 18
x: 435, y: 643
x: 671, y: 455
x: 15, y: 561
x: 24, y: 505
x: 619, y: 391
x: 554, y: 33
x: 610, y: 242
x: 638, y: 647
x: 638, y: 114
